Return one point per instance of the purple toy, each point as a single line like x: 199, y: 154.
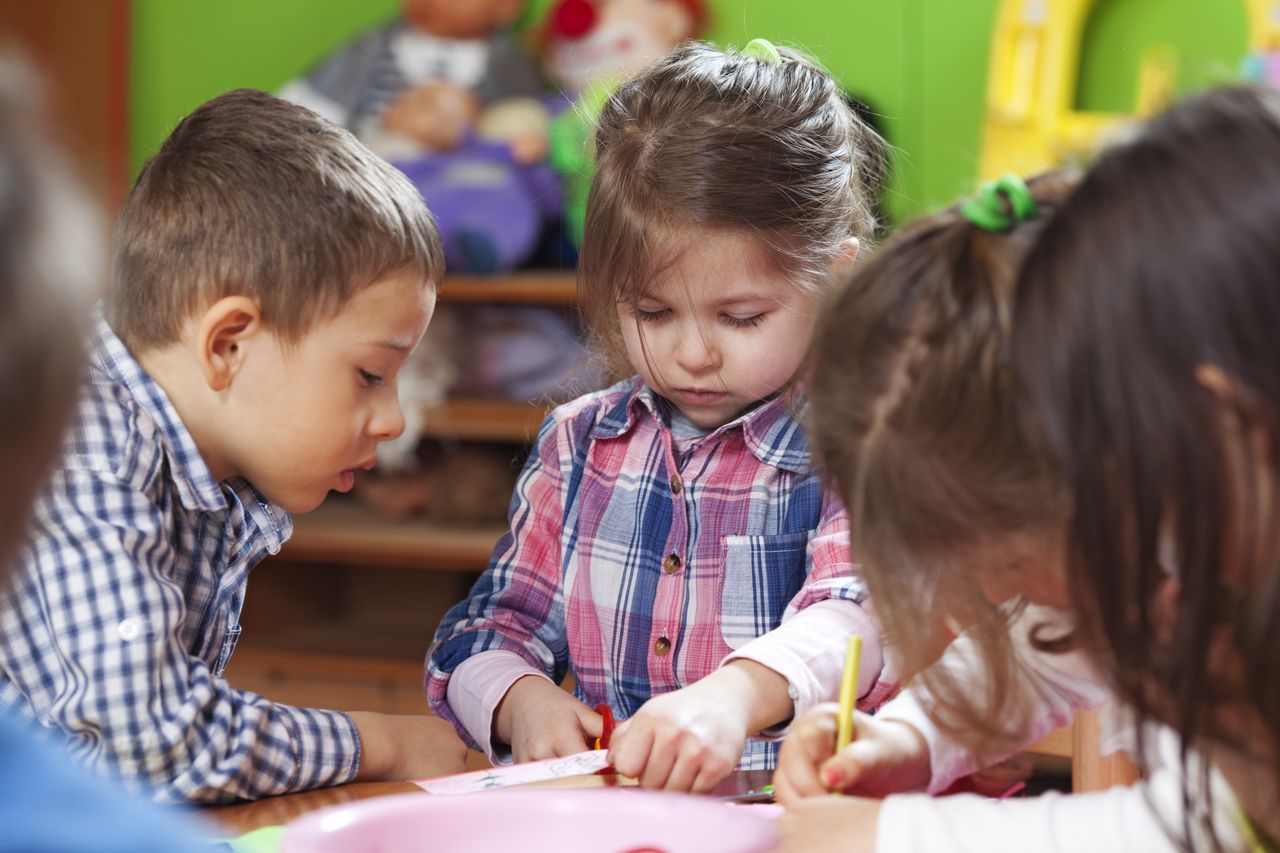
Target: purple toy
x: 490, y: 209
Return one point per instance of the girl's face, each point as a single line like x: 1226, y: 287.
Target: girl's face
x: 719, y: 330
x: 1033, y: 568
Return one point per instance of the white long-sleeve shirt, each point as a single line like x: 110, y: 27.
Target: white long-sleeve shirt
x: 1140, y: 817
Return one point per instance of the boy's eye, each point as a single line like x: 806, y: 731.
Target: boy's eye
x: 744, y: 322
x: 370, y: 379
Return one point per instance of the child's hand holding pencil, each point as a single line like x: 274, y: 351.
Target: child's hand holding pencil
x: 833, y: 748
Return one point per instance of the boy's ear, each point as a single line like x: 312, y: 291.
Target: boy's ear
x: 844, y: 260
x: 221, y: 335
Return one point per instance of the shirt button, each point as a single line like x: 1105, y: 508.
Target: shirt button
x: 676, y: 485
x: 671, y: 563
x: 661, y: 647
x: 129, y: 629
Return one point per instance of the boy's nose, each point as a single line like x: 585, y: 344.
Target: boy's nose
x: 388, y: 419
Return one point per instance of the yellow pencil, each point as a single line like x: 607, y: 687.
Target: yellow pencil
x: 848, y: 692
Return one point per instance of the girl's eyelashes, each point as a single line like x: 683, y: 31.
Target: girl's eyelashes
x: 651, y: 315
x: 370, y: 380
x: 744, y: 322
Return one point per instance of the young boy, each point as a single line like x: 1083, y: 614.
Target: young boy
x: 49, y: 804
x: 271, y: 277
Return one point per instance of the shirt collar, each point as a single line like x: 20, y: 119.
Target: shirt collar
x: 772, y: 431
x: 191, y: 476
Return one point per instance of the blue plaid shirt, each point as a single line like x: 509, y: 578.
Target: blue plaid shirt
x: 126, y: 602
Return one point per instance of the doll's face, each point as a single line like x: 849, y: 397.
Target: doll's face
x: 625, y: 36
x: 461, y: 19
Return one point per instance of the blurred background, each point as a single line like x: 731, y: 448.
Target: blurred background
x: 123, y: 71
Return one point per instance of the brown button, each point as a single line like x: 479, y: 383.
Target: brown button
x: 676, y: 485
x: 671, y: 563
x: 661, y: 647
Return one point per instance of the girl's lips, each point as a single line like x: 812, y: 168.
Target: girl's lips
x: 346, y: 480
x: 699, y: 396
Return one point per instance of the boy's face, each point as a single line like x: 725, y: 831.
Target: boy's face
x: 310, y: 415
x: 719, y: 331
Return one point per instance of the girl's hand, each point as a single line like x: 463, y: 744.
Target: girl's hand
x: 687, y: 740
x: 540, y: 720
x: 885, y: 757
x: 830, y: 825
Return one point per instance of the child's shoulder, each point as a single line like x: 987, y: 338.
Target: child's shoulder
x: 112, y: 433
x: 108, y: 421
x: 583, y: 414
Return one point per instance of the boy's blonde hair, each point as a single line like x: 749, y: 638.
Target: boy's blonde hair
x: 915, y: 417
x: 716, y: 139
x: 255, y: 196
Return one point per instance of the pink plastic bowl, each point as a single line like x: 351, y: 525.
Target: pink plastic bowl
x: 542, y: 821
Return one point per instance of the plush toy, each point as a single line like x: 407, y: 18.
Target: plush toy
x: 589, y: 47
x: 449, y: 95
x: 590, y: 40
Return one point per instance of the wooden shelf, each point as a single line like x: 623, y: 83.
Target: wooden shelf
x: 319, y: 662
x: 341, y: 530
x: 484, y: 420
x: 559, y: 287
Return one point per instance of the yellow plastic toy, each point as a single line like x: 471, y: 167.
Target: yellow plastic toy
x: 1031, y: 121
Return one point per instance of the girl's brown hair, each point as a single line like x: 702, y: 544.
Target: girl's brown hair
x: 715, y: 139
x: 914, y: 417
x: 1165, y: 262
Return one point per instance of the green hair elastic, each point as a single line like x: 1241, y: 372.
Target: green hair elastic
x: 763, y: 49
x: 1000, y: 204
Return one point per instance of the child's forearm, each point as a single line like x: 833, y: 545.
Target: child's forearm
x: 803, y: 652
x: 528, y: 690
x: 754, y: 687
x: 406, y: 746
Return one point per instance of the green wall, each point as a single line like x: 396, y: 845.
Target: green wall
x: 185, y: 52
x: 921, y: 63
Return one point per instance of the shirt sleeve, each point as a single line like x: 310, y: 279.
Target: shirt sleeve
x: 808, y: 647
x: 1054, y: 685
x: 1117, y: 819
x: 95, y: 643
x: 476, y: 688
x: 517, y: 605
x: 1146, y: 816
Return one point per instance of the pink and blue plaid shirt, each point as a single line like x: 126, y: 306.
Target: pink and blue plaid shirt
x: 639, y: 568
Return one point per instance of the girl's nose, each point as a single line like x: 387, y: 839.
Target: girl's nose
x: 695, y: 352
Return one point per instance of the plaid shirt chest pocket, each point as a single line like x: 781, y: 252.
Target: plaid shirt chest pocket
x: 761, y: 576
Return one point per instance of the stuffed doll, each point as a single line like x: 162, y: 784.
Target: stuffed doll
x: 589, y: 40
x: 590, y: 46
x: 447, y: 94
